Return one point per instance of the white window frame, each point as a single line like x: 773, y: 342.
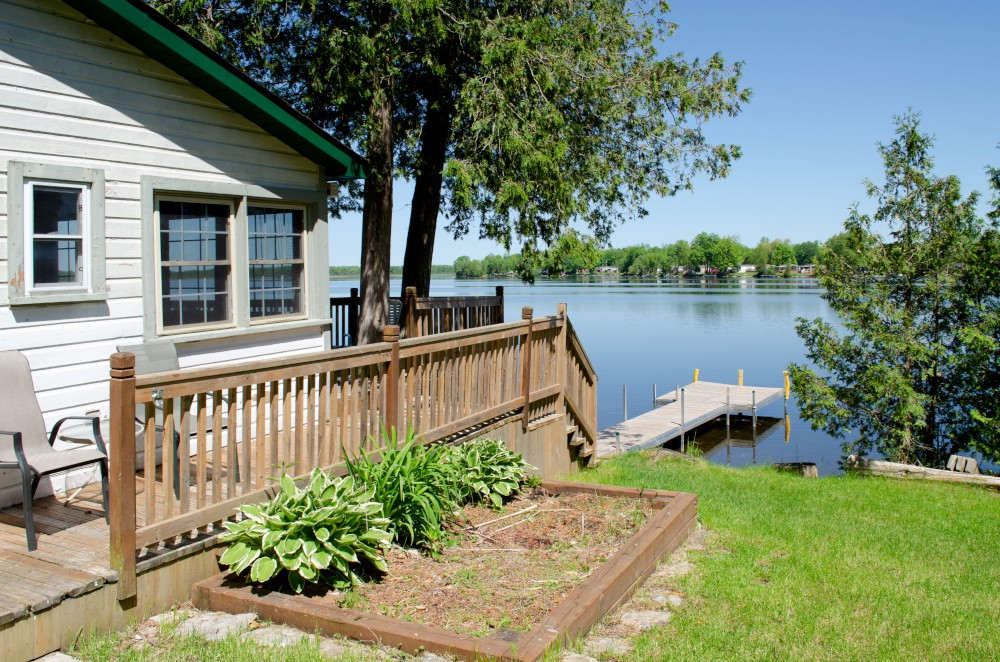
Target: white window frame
x: 230, y: 322
x: 30, y: 235
x: 21, y: 179
x: 304, y: 248
x: 316, y: 306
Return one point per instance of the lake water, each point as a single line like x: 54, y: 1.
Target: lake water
x: 641, y: 333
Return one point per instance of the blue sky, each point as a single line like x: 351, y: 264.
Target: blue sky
x: 827, y: 78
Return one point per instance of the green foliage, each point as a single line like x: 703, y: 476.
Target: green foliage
x: 485, y: 470
x: 915, y: 373
x: 411, y: 482
x: 321, y: 534
x: 821, y: 553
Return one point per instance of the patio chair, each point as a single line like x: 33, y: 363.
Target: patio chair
x: 25, y: 446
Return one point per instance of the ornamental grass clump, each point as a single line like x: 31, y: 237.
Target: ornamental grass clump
x: 411, y: 481
x: 486, y: 470
x: 326, y: 534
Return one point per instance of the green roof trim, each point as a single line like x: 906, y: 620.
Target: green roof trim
x: 149, y: 31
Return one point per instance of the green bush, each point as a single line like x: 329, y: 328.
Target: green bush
x: 485, y: 470
x: 321, y: 534
x: 411, y: 482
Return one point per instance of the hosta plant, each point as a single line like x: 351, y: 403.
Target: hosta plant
x: 411, y: 482
x: 486, y: 470
x: 325, y: 533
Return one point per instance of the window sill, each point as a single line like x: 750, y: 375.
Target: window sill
x: 38, y: 299
x: 230, y: 332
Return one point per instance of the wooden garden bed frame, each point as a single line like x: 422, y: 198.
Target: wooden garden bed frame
x: 600, y: 592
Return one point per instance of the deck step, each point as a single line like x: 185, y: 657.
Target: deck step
x: 587, y: 450
x: 577, y: 440
x: 571, y: 429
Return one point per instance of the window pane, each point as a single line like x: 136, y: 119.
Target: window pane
x: 275, y: 236
x: 195, y: 294
x: 57, y: 261
x: 193, y: 231
x: 57, y: 209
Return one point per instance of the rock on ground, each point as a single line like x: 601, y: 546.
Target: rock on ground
x: 215, y: 625
x: 428, y: 656
x: 667, y: 599
x: 608, y: 645
x: 576, y: 657
x: 58, y: 656
x: 274, y: 635
x: 645, y: 620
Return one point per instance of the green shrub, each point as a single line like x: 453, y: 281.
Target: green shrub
x: 411, y: 483
x: 485, y: 470
x: 321, y: 534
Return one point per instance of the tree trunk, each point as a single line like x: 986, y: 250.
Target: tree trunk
x: 377, y: 222
x: 417, y: 262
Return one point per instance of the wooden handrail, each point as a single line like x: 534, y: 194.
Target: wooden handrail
x: 225, y: 431
x: 577, y: 348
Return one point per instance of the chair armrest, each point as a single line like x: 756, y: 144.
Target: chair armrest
x: 95, y: 423
x: 18, y: 447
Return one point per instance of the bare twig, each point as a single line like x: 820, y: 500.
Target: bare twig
x: 498, y: 519
x: 517, y: 523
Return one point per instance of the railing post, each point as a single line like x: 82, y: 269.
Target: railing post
x: 121, y: 487
x: 390, y: 334
x: 498, y: 313
x: 561, y: 356
x: 353, y: 313
x: 410, y: 312
x: 526, y: 314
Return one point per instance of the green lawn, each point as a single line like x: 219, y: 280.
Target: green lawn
x: 830, y: 568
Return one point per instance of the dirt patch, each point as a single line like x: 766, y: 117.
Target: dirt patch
x: 504, y: 569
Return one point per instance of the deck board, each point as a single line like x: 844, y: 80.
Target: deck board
x: 703, y: 402
x: 72, y: 554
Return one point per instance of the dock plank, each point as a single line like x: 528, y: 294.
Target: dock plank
x: 703, y: 402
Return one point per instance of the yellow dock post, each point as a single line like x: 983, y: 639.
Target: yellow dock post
x: 788, y: 385
x: 739, y: 377
x: 696, y: 371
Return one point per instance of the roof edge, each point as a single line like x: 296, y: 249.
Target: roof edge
x: 146, y: 29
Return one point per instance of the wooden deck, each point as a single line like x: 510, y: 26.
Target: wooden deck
x: 73, y: 544
x: 703, y: 402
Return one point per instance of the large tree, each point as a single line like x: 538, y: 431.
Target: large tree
x: 913, y: 372
x: 520, y: 117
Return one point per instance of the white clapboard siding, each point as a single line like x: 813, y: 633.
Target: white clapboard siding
x: 72, y: 93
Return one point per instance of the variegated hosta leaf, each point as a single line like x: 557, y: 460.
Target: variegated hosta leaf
x: 291, y: 535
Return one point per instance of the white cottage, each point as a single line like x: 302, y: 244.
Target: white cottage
x: 151, y: 196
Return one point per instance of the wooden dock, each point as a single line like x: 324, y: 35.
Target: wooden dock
x: 681, y: 411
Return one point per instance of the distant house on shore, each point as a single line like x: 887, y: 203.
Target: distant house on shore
x: 154, y: 197
x: 747, y: 268
x: 606, y: 269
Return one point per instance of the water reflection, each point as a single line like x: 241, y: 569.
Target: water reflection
x: 646, y: 332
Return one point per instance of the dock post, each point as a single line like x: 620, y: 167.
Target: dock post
x: 728, y: 406
x: 618, y: 441
x: 788, y: 390
x: 682, y: 420
x: 624, y: 402
x: 696, y: 371
x: 654, y: 395
x: 677, y: 393
x: 753, y: 404
x: 739, y: 377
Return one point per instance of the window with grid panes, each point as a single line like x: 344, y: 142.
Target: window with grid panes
x: 276, y: 262
x: 195, y: 267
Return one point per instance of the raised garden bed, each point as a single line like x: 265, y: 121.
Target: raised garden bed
x: 482, y: 600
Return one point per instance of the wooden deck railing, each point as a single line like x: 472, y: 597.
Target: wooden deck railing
x: 420, y: 316
x: 225, y: 432
x: 429, y: 315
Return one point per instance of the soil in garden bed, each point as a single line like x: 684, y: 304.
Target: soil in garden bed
x: 507, y: 568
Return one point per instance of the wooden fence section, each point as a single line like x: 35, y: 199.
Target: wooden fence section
x: 216, y: 437
x: 421, y: 315
x: 424, y: 316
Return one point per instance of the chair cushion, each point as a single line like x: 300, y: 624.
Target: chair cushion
x: 52, y: 460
